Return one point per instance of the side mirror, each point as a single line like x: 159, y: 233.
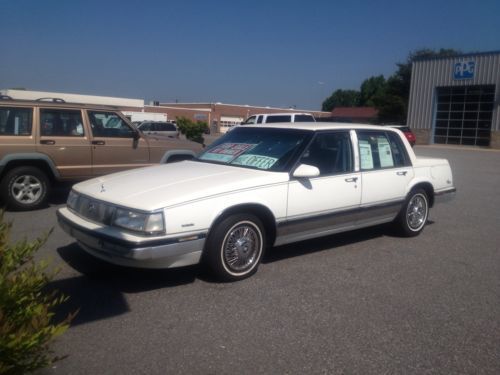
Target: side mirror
x: 306, y: 171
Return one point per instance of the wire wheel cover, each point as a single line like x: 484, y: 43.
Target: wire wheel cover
x: 242, y: 247
x: 416, y: 213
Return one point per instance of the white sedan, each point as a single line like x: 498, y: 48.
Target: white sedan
x: 254, y: 188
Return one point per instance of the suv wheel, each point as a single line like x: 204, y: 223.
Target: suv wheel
x: 25, y: 188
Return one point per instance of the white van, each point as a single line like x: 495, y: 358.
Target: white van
x: 278, y: 117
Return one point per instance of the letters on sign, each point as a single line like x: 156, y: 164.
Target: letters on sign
x: 464, y: 69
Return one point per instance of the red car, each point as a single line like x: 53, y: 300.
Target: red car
x: 407, y: 132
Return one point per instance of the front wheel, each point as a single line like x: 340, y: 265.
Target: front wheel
x: 413, y: 216
x: 25, y: 188
x: 235, y: 247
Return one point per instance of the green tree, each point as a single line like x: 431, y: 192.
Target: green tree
x: 27, y: 324
x: 192, y: 130
x: 393, y: 104
x: 341, y: 98
x: 372, y: 88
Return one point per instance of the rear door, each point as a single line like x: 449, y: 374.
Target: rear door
x: 386, y: 171
x: 114, y: 145
x: 63, y: 137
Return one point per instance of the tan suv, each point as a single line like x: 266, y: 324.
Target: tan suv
x: 42, y: 142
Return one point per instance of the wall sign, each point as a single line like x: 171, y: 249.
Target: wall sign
x: 464, y: 69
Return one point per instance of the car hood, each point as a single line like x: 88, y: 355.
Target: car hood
x: 166, y: 185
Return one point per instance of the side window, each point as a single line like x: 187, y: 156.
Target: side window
x: 399, y: 154
x: 15, y: 121
x: 279, y: 118
x: 378, y: 151
x: 145, y: 127
x: 259, y: 119
x: 303, y: 118
x: 61, y: 123
x: 109, y: 124
x: 250, y: 120
x: 331, y: 153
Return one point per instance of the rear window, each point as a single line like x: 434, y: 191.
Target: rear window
x: 15, y: 121
x: 167, y: 126
x: 279, y: 118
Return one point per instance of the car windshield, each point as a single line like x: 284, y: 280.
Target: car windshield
x: 257, y: 148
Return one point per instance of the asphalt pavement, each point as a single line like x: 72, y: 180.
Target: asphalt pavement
x: 365, y: 302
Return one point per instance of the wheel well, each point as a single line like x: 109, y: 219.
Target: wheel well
x: 40, y: 164
x: 262, y: 212
x: 429, y: 190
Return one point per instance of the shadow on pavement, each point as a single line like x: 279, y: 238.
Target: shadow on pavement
x: 98, y: 293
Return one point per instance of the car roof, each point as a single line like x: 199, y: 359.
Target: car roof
x: 318, y: 126
x: 280, y: 114
x: 47, y: 103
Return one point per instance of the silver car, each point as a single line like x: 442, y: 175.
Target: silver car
x: 159, y: 128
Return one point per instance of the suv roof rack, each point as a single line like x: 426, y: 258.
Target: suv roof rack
x: 53, y: 100
x: 5, y: 97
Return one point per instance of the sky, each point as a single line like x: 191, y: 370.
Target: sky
x: 266, y: 53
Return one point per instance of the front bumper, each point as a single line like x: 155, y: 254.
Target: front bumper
x: 133, y: 252
x: 443, y: 196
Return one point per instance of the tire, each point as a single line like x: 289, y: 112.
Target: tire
x: 25, y: 188
x: 235, y: 247
x: 413, y: 216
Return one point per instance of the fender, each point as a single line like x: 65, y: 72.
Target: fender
x: 30, y: 156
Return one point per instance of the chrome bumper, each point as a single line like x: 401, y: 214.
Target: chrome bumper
x: 162, y: 253
x: 444, y: 196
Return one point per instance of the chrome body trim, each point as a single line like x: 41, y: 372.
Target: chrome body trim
x: 324, y: 224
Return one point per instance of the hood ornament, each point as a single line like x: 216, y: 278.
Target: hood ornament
x: 102, y: 188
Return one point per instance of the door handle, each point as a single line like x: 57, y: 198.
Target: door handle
x: 100, y: 143
x: 402, y: 173
x: 47, y: 142
x: 352, y: 179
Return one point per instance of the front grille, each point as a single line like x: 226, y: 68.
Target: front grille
x: 94, y: 210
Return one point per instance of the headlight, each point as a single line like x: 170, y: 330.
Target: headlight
x: 139, y: 222
x: 72, y: 200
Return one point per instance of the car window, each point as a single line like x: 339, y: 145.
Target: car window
x: 15, y: 121
x: 167, y: 126
x: 145, y: 126
x: 61, y: 123
x: 270, y: 149
x: 304, y: 118
x: 109, y: 124
x: 279, y: 118
x: 379, y: 150
x: 399, y: 154
x: 331, y: 153
x: 259, y: 119
x: 250, y: 120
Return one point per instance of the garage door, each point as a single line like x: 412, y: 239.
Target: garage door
x: 464, y: 115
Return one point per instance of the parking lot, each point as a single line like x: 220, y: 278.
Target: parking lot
x: 357, y: 303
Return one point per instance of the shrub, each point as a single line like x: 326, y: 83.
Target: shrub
x: 192, y: 130
x: 26, y: 306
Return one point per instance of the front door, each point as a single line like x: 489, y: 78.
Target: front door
x: 327, y: 203
x: 114, y: 145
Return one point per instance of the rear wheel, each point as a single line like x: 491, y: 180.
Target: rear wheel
x: 413, y: 216
x: 25, y: 188
x: 235, y: 247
